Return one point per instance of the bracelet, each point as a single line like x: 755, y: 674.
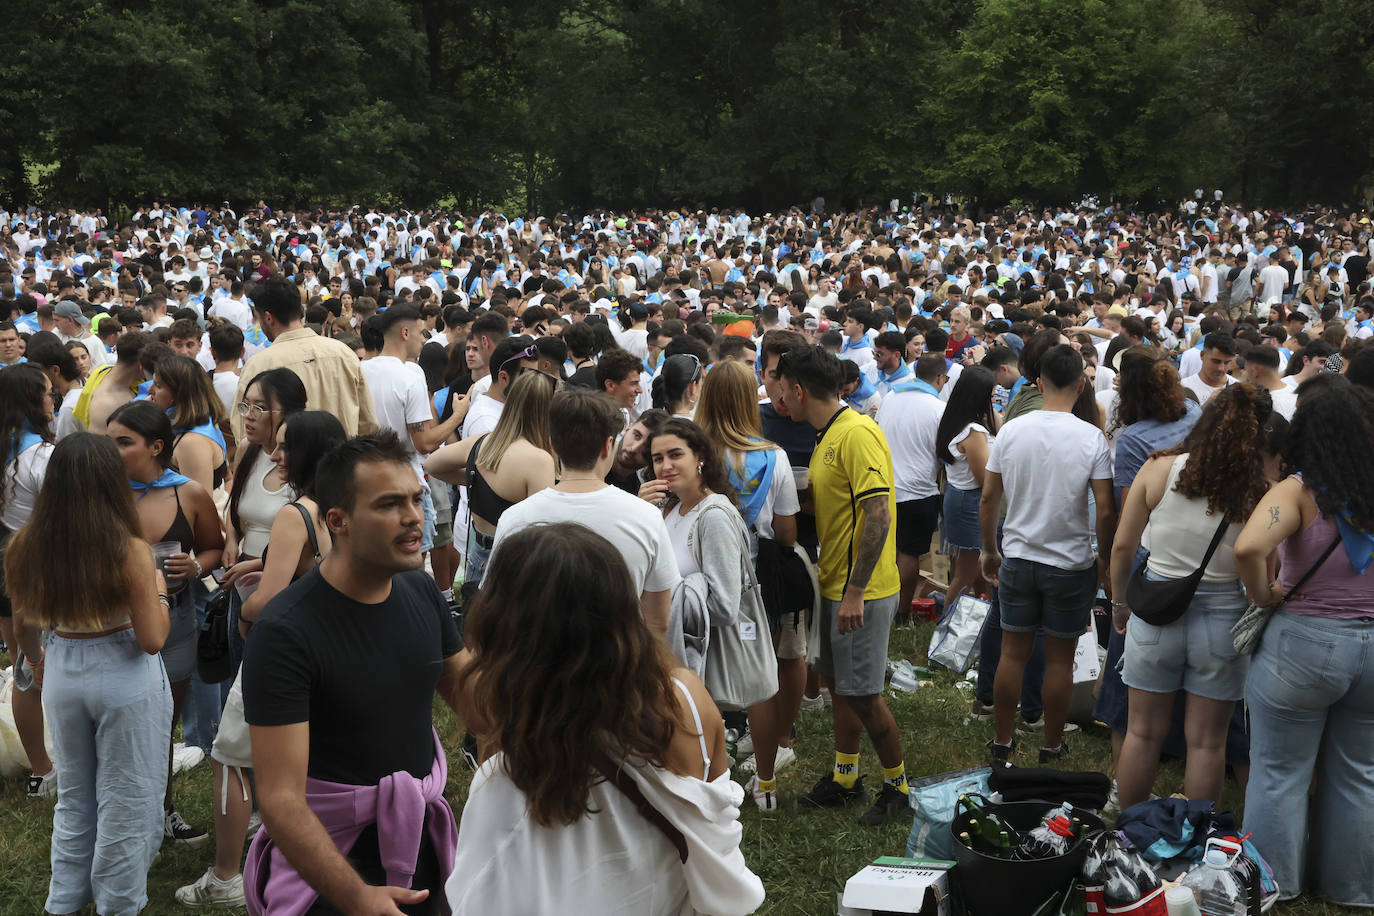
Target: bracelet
x: 1117, y: 604
x: 164, y: 600
x: 200, y: 573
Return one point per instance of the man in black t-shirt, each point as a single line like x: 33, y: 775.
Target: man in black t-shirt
x: 338, y: 684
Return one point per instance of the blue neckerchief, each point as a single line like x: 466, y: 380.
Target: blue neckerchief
x: 27, y: 439
x: 863, y: 343
x: 902, y: 371
x: 1367, y: 323
x: 1359, y: 545
x: 867, y: 388
x: 143, y: 389
x: 1016, y: 388
x: 754, y: 484
x: 915, y: 384
x: 168, y: 478
x: 208, y: 430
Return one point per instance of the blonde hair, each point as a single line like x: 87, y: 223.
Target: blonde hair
x: 728, y: 412
x: 525, y: 416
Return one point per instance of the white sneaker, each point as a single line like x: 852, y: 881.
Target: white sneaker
x: 786, y: 757
x: 186, y: 756
x: 209, y: 891
x: 766, y: 801
x: 43, y: 786
x: 820, y: 701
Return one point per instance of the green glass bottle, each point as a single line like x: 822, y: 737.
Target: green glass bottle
x: 990, y: 833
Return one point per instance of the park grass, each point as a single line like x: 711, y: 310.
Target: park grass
x: 803, y: 858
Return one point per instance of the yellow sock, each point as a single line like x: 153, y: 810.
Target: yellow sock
x: 768, y: 785
x: 846, y: 769
x: 896, y: 777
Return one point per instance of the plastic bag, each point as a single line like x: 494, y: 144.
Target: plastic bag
x: 935, y: 800
x: 954, y: 644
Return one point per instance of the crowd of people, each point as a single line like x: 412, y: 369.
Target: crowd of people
x: 627, y: 492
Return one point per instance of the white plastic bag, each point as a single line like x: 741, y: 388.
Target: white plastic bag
x: 954, y: 644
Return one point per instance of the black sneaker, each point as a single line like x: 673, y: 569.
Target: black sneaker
x: 468, y: 750
x: 830, y: 794
x: 1054, y: 755
x: 176, y: 830
x: 999, y: 753
x: 891, y: 803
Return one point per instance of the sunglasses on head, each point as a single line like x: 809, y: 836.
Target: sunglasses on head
x: 530, y: 352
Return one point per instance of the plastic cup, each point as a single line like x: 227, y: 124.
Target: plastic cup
x: 802, y: 476
x: 163, y: 551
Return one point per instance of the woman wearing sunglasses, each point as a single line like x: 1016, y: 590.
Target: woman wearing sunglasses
x: 678, y: 384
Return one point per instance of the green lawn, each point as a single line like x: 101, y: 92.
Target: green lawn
x: 803, y: 858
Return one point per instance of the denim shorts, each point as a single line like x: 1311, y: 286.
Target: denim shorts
x: 427, y: 533
x: 1195, y: 653
x: 1036, y: 596
x: 961, y: 518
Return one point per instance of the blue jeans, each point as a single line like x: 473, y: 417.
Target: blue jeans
x: 1311, y: 698
x: 200, y: 711
x: 109, y: 706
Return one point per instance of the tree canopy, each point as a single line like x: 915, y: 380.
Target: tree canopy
x: 538, y: 104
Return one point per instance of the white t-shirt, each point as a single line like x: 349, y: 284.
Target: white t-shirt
x: 1190, y: 363
x: 482, y: 416
x: 226, y: 386
x: 1285, y: 401
x: 479, y: 388
x: 401, y: 399
x: 909, y: 420
x: 636, y: 342
x: 66, y: 422
x: 1047, y: 460
x: 22, y: 479
x: 631, y: 524
x: 1273, y: 279
x: 1204, y: 391
x: 679, y: 525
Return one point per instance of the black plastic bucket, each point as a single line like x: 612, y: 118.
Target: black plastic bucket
x: 1003, y: 887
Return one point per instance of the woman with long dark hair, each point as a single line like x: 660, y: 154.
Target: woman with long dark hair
x: 1310, y: 691
x: 26, y: 444
x: 962, y: 441
x: 1181, y: 497
x: 297, y: 544
x: 177, y: 516
x: 109, y: 704
x: 585, y: 711
x: 258, y: 490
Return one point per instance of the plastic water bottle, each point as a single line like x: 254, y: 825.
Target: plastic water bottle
x: 1219, y: 890
x: 1053, y: 837
x: 1179, y: 901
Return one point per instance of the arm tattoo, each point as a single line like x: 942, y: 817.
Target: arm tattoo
x: 875, y: 523
x: 1273, y: 516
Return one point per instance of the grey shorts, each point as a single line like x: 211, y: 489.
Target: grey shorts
x: 1195, y: 653
x: 856, y: 663
x: 443, y: 514
x: 179, y: 651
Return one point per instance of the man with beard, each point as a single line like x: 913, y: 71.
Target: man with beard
x: 630, y: 457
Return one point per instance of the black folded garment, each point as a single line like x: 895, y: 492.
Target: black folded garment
x: 1081, y: 789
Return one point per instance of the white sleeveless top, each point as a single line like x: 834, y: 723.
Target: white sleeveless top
x: 258, y: 507
x: 613, y: 861
x: 1179, y: 531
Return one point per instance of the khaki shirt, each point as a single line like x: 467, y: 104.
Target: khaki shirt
x: 331, y: 372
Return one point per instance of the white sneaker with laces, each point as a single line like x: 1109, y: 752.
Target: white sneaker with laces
x: 766, y: 801
x: 210, y: 890
x: 786, y: 757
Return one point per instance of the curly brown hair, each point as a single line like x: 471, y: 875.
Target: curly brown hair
x: 1226, y: 450
x: 564, y: 668
x: 713, y: 473
x: 1149, y: 389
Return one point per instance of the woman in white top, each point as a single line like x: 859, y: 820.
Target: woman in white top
x: 766, y: 494
x: 26, y: 446
x: 569, y: 691
x: 1183, y: 495
x: 259, y: 490
x: 961, y: 443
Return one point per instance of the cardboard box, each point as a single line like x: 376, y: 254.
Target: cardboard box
x: 896, y: 885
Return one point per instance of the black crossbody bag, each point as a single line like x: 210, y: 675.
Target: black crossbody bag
x: 1160, y: 602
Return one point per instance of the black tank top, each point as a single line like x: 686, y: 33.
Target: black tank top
x: 483, y: 501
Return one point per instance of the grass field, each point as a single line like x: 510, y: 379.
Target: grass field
x: 803, y: 858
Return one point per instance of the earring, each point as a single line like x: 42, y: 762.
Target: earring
x: 700, y: 465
